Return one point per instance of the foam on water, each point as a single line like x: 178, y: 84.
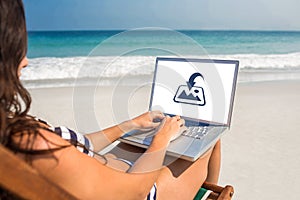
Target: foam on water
x: 109, y: 66
x: 83, y: 67
x: 268, y: 61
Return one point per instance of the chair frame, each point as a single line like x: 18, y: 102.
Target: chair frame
x: 218, y: 192
x: 24, y: 181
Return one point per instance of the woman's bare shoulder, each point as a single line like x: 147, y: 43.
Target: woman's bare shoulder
x: 48, y: 139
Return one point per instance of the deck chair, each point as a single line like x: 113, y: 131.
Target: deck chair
x: 20, y: 179
x: 211, y: 191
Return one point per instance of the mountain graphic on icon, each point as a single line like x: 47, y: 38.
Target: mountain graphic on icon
x: 190, y: 94
x: 183, y: 95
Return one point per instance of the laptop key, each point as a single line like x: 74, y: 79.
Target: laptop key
x: 197, y: 132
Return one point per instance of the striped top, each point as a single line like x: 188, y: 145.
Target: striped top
x: 82, y: 143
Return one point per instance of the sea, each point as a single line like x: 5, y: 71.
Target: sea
x: 75, y: 58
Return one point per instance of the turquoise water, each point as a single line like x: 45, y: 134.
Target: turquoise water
x: 61, y: 55
x: 80, y: 43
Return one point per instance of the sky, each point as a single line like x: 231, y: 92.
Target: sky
x: 173, y: 14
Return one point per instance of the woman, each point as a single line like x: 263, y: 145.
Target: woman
x: 71, y: 163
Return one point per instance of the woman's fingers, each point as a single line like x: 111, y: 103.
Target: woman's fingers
x: 154, y: 124
x: 179, y: 120
x: 155, y: 118
x: 157, y: 114
x: 164, y: 118
x: 177, y: 117
x: 182, y: 122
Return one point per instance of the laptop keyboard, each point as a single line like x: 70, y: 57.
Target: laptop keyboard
x: 197, y: 132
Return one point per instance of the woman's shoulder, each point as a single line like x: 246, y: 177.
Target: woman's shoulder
x: 47, y: 139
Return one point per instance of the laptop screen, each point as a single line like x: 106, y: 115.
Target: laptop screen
x: 200, y: 90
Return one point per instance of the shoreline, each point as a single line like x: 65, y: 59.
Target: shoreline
x: 259, y: 153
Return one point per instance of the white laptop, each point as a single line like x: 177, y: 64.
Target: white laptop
x: 199, y: 90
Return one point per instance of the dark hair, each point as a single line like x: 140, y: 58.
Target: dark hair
x: 13, y: 48
x: 14, y: 98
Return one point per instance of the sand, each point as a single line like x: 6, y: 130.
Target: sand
x: 260, y: 153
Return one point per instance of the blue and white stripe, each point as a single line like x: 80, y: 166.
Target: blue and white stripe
x: 152, y: 193
x: 75, y: 137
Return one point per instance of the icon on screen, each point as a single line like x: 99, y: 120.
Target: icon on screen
x: 189, y: 93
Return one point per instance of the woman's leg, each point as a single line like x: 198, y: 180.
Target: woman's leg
x: 187, y: 184
x: 214, y: 164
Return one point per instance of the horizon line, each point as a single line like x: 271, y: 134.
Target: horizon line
x: 238, y: 30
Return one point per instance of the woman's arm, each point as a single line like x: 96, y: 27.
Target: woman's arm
x: 103, y: 138
x: 87, y: 178
x: 153, y: 158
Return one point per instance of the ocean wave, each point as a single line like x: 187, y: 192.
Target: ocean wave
x: 53, y: 68
x: 85, y: 67
x: 267, y: 61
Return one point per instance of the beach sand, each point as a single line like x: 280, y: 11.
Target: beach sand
x: 260, y: 152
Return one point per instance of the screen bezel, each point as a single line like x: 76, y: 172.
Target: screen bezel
x: 211, y: 61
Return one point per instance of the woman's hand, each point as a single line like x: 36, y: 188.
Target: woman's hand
x: 152, y: 159
x: 148, y: 120
x: 168, y: 128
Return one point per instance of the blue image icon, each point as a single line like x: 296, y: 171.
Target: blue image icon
x: 189, y: 93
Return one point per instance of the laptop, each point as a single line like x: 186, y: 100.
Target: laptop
x: 202, y: 92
